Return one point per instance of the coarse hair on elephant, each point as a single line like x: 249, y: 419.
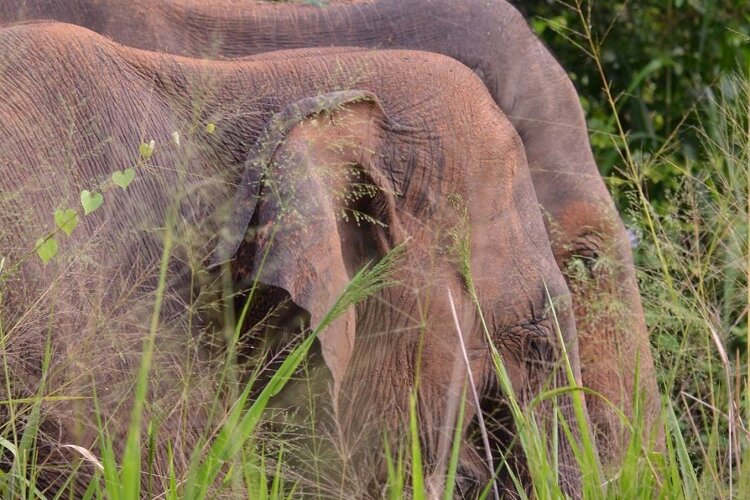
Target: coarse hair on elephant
x: 491, y: 37
x: 294, y: 170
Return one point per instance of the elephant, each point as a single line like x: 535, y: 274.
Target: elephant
x: 588, y: 238
x: 293, y: 169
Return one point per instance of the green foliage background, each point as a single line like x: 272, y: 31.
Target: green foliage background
x: 663, y: 58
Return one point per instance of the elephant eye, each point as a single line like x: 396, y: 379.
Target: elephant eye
x: 583, y: 263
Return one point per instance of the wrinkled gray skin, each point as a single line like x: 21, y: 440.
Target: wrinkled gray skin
x: 492, y: 38
x: 448, y: 169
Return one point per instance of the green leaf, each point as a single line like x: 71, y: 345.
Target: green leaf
x: 147, y: 150
x: 417, y: 473
x: 450, y: 479
x: 90, y: 201
x: 123, y: 178
x: 210, y: 127
x: 46, y: 249
x: 67, y: 220
x: 538, y: 25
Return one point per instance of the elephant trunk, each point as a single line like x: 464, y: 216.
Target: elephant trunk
x: 547, y: 419
x: 572, y: 405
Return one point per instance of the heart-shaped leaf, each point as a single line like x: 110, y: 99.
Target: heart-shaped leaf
x: 67, y: 220
x: 123, y: 178
x: 147, y: 150
x: 210, y: 127
x: 46, y: 249
x: 90, y: 201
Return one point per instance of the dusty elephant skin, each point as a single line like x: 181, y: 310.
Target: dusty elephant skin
x: 492, y: 38
x: 292, y: 167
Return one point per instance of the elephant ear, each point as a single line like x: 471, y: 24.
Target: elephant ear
x: 296, y: 181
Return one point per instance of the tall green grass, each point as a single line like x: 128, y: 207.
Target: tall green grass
x: 121, y: 476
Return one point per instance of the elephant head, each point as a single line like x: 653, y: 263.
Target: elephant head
x: 461, y: 283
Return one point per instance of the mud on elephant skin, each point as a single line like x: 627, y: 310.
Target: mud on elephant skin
x: 531, y: 88
x: 68, y: 122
